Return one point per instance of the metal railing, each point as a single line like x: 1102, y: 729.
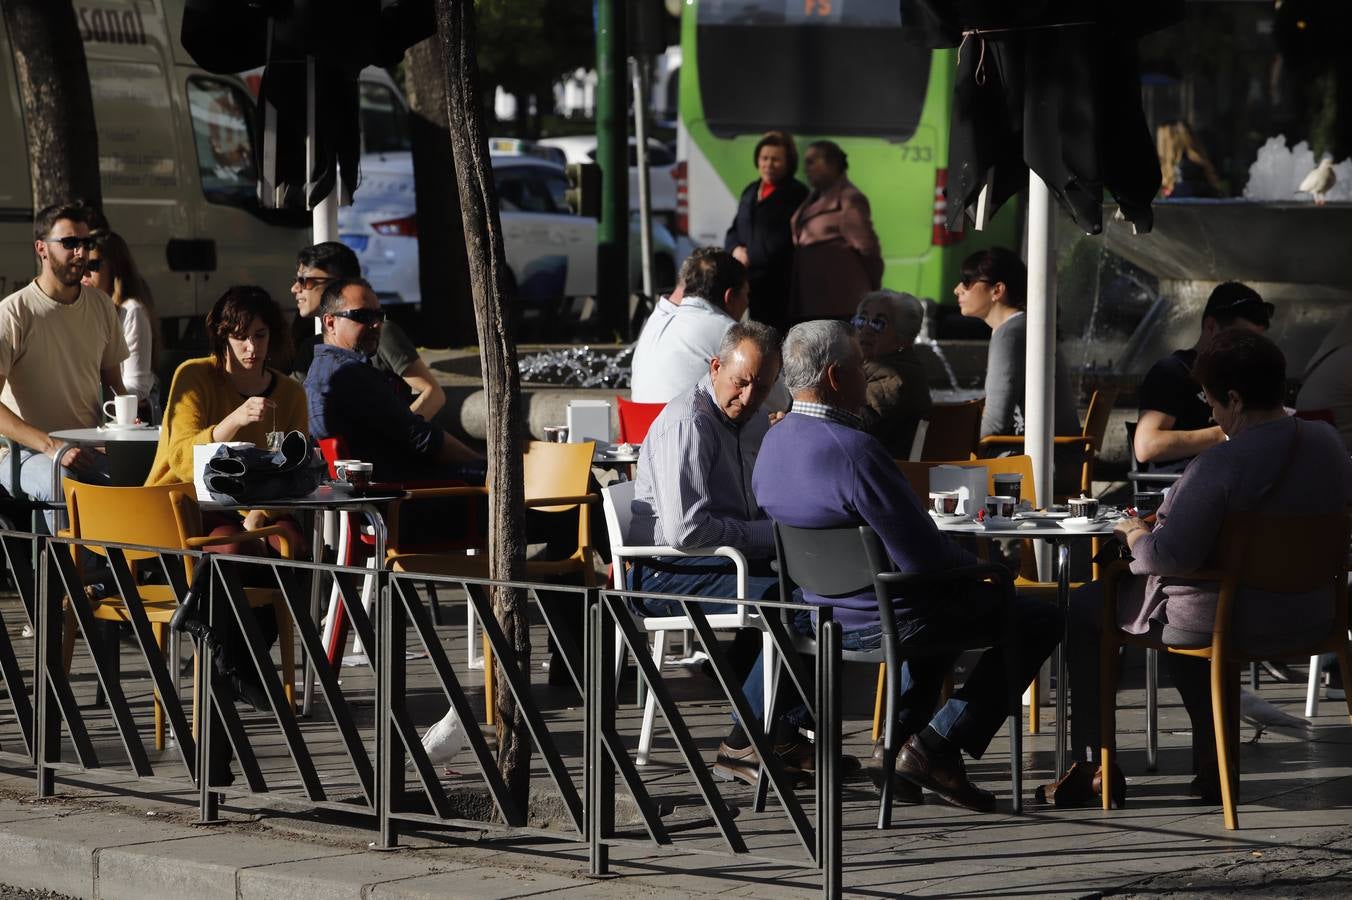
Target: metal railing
x: 380, y: 767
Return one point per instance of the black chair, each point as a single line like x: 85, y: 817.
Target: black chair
x: 1147, y: 487
x: 837, y: 562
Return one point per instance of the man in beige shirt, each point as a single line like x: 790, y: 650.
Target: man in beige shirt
x: 60, y: 346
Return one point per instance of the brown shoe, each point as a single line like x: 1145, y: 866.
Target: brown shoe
x: 797, y: 755
x: 1082, y: 786
x: 903, y: 791
x: 945, y: 775
x: 736, y: 764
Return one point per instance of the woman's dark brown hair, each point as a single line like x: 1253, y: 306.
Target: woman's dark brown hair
x: 115, y: 256
x: 999, y: 265
x: 1239, y: 360
x: 231, y: 315
x: 778, y: 139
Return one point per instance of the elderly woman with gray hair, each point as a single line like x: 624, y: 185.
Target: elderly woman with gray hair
x: 886, y: 324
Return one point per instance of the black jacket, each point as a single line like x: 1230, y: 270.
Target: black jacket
x: 763, y: 228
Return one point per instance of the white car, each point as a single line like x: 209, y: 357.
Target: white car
x: 550, y: 251
x: 661, y: 162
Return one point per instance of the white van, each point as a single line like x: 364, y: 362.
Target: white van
x: 177, y: 162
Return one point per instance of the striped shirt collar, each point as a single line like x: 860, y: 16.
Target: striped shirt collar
x: 829, y: 413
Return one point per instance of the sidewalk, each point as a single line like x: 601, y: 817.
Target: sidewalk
x: 124, y: 840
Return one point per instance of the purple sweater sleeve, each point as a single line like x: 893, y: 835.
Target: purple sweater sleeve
x: 1181, y: 541
x: 884, y: 499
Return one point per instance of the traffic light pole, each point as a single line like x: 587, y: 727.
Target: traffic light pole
x: 612, y: 251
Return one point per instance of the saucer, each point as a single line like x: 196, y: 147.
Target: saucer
x: 1082, y: 523
x: 114, y: 426
x: 949, y: 517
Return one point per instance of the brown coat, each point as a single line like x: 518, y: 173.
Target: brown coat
x: 836, y: 258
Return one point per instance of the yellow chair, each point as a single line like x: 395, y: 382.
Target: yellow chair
x: 160, y: 516
x: 556, y: 478
x: 1088, y: 442
x: 1276, y: 554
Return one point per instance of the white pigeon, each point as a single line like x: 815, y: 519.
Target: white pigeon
x: 444, y: 739
x: 1320, y: 181
x: 1263, y: 715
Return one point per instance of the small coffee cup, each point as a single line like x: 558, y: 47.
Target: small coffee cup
x: 340, y: 468
x: 358, y: 474
x: 1083, y: 507
x: 123, y: 412
x: 1009, y: 484
x: 1000, y: 508
x: 556, y: 434
x: 945, y: 503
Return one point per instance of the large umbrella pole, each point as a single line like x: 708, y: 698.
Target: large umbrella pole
x: 1040, y: 360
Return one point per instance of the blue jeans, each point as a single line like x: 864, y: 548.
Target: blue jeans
x: 35, y: 478
x: 704, y: 577
x: 975, y: 712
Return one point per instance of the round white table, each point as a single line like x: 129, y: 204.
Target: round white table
x: 97, y: 437
x: 1037, y: 527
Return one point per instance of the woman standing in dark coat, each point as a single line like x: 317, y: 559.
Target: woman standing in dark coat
x: 761, y: 236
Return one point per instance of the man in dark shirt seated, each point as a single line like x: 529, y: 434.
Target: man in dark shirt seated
x: 818, y: 469
x: 1175, y: 422
x: 349, y: 398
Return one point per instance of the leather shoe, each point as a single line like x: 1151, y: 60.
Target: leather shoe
x: 1082, y: 785
x: 798, y: 757
x: 942, y: 773
x: 903, y: 791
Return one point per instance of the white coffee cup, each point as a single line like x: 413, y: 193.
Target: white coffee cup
x: 123, y: 410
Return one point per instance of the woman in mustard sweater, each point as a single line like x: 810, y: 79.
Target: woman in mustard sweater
x: 232, y: 395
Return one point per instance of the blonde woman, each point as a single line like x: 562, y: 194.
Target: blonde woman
x: 1185, y: 170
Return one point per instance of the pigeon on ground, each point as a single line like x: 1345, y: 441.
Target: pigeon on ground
x: 1263, y: 715
x: 1320, y: 181
x: 445, y: 739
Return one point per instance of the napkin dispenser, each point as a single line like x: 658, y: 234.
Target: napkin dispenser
x: 969, y: 481
x: 200, y: 454
x: 589, y: 420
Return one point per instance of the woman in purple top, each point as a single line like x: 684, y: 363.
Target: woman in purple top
x: 1270, y: 462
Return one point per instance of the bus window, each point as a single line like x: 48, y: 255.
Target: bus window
x: 865, y: 80
x: 384, y: 123
x: 225, y: 156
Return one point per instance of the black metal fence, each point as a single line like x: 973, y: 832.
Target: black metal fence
x: 357, y: 749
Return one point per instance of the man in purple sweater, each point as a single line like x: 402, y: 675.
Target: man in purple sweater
x: 818, y: 470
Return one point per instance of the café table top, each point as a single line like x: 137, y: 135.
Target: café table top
x: 1024, y: 528
x: 324, y: 497
x: 101, y: 435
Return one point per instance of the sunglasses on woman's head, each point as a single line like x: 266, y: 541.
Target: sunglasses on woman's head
x: 877, y: 323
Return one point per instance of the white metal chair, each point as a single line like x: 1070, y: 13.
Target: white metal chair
x: 617, y: 502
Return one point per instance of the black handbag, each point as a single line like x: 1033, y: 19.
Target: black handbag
x: 252, y: 475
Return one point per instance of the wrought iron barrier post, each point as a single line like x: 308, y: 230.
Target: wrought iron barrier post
x: 599, y: 705
x: 829, y: 808
x: 47, y: 722
x: 208, y: 812
x: 390, y: 680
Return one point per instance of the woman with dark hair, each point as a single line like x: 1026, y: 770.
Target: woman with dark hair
x: 993, y: 288
x: 837, y: 259
x: 112, y: 270
x: 231, y: 395
x: 1270, y: 463
x: 761, y: 236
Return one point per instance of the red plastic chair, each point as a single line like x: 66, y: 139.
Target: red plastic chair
x: 1317, y: 415
x: 636, y: 418
x: 359, y: 544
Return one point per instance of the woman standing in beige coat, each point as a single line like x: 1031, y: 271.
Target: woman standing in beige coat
x: 836, y: 255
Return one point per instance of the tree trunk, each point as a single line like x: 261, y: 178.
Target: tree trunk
x: 488, y: 281
x: 443, y: 270
x: 58, y: 107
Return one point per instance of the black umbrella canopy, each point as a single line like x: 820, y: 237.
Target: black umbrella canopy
x: 342, y: 37
x: 1053, y: 86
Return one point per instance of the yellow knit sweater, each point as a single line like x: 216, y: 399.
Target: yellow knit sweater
x: 199, y: 398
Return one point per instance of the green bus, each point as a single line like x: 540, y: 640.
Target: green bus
x: 840, y: 70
